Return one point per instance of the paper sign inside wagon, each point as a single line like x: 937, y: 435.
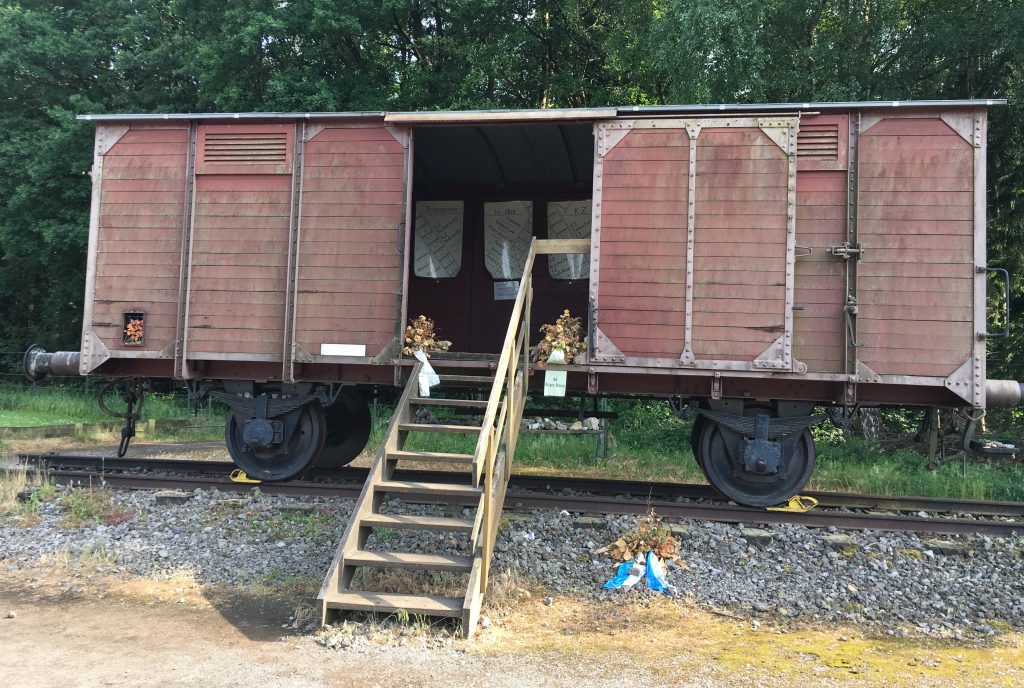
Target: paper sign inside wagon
x: 569, y: 220
x: 437, y: 251
x: 508, y: 231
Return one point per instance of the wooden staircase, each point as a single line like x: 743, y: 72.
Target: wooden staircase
x: 480, y: 484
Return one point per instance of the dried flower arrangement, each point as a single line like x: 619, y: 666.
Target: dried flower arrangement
x: 650, y: 535
x: 420, y: 334
x: 134, y: 331
x: 563, y: 335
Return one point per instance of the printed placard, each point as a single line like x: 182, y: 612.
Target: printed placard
x: 508, y: 230
x: 569, y: 220
x: 437, y: 250
x: 554, y: 383
x: 506, y: 291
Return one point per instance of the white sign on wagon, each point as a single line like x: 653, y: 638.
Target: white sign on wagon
x: 508, y: 231
x: 569, y: 220
x: 554, y: 383
x: 506, y: 291
x: 437, y: 250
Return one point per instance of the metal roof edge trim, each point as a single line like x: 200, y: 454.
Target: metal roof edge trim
x: 527, y: 115
x: 178, y: 116
x: 468, y: 116
x: 634, y: 110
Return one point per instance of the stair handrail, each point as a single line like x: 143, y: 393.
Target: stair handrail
x: 504, y: 428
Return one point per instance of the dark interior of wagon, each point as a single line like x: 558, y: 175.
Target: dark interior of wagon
x: 480, y: 193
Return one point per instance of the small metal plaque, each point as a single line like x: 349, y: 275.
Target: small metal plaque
x: 506, y: 291
x: 554, y: 383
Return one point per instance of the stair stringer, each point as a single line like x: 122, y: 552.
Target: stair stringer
x: 339, y: 576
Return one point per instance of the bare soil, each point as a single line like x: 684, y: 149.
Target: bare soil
x: 72, y: 628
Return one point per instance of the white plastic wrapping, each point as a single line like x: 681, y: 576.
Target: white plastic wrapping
x: 428, y: 378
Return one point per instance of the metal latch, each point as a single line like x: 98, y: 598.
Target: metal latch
x: 846, y: 250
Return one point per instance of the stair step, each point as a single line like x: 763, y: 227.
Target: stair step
x: 411, y: 522
x: 437, y: 401
x: 431, y: 456
x: 389, y: 601
x: 410, y: 560
x: 437, y: 427
x: 475, y: 380
x: 437, y: 489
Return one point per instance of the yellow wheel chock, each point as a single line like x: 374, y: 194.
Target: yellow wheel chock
x: 239, y: 476
x: 798, y: 504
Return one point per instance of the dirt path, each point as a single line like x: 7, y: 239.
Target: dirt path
x: 136, y: 632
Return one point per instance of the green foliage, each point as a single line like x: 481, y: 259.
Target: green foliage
x: 34, y: 406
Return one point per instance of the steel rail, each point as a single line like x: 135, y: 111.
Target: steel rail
x: 542, y: 483
x: 210, y: 478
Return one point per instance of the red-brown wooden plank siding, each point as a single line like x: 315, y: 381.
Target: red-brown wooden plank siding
x: 818, y: 334
x: 732, y: 255
x: 138, y: 254
x: 239, y: 253
x: 350, y: 266
x: 915, y: 283
x: 643, y: 225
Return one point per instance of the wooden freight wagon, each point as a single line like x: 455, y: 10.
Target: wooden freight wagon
x: 752, y: 261
x: 757, y: 260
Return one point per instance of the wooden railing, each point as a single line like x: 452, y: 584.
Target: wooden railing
x: 503, y: 416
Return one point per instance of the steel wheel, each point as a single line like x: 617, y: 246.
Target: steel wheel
x: 726, y: 475
x: 698, y: 455
x: 348, y: 430
x: 279, y: 462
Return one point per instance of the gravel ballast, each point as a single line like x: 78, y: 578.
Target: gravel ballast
x: 901, y: 584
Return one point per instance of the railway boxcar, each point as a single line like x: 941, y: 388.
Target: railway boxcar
x: 754, y: 260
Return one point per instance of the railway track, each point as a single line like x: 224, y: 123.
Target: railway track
x: 582, y: 495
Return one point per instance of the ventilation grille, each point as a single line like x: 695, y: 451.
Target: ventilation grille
x: 818, y: 141
x: 269, y: 148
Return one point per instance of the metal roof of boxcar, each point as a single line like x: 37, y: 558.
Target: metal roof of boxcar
x: 579, y: 114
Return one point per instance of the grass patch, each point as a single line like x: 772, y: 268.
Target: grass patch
x: 651, y: 444
x: 84, y: 506
x: 38, y: 405
x: 17, y: 480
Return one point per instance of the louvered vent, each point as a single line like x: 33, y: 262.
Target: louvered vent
x: 243, y: 148
x: 818, y: 141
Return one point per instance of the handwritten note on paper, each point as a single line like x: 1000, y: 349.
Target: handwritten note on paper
x: 508, y: 230
x: 569, y: 220
x: 438, y: 247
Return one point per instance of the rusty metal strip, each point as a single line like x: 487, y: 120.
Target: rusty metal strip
x: 292, y: 281
x: 407, y: 140
x: 852, y: 204
x: 980, y: 259
x: 184, y: 272
x: 693, y: 130
x: 595, y: 235
x: 85, y: 362
x: 787, y: 343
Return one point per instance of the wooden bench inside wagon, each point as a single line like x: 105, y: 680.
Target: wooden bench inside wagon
x: 752, y: 263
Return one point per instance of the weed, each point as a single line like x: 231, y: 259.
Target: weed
x: 95, y: 553
x: 385, y: 534
x: 1000, y: 625
x: 22, y: 493
x: 83, y: 506
x: 912, y: 554
x: 410, y: 582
